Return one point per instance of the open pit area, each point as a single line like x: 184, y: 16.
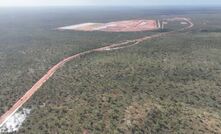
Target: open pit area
x: 118, y: 26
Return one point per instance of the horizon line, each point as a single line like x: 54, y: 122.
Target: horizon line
x: 154, y: 5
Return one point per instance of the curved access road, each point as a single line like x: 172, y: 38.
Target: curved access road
x: 6, y: 116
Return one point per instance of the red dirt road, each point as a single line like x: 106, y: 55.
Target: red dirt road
x: 116, y: 46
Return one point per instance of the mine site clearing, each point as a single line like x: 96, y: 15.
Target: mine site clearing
x: 118, y: 26
x: 124, y: 26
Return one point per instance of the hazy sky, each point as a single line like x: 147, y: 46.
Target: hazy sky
x: 107, y: 2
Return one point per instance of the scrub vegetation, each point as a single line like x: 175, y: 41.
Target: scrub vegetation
x: 168, y: 85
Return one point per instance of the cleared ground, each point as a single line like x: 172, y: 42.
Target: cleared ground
x: 118, y: 26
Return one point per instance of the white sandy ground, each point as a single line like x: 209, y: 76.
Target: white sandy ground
x: 104, y: 26
x: 15, y: 122
x: 76, y: 26
x: 183, y: 23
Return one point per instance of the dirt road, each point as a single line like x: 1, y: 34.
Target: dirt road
x: 116, y: 46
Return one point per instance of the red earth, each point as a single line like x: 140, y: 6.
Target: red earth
x: 118, y: 26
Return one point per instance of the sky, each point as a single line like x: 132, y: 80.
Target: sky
x: 6, y: 3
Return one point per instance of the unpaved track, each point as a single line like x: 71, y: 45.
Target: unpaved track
x: 40, y: 82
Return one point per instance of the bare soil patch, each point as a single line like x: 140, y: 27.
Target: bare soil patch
x: 118, y: 26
